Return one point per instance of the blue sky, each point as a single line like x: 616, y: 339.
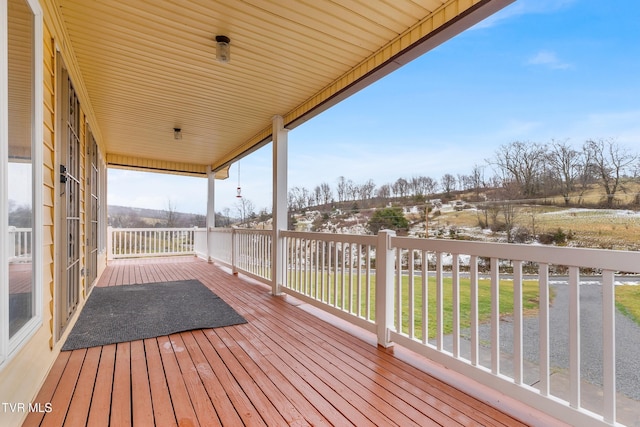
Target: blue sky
x: 536, y: 71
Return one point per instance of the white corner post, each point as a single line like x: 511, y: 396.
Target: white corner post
x: 279, y: 205
x: 385, y: 262
x: 211, y: 212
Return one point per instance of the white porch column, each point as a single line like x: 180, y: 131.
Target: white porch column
x: 279, y: 205
x: 211, y: 212
x: 385, y: 268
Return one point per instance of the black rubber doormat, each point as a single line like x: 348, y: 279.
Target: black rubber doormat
x: 133, y: 312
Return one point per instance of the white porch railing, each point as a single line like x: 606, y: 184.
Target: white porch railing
x: 396, y: 286
x: 19, y: 244
x: 200, y: 242
x: 334, y: 272
x: 246, y: 251
x: 149, y: 242
x: 222, y: 251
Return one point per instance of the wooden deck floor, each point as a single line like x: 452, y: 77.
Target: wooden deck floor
x: 284, y: 367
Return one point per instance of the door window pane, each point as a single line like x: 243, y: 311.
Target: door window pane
x: 20, y: 168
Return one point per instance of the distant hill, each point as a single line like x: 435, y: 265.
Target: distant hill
x: 129, y: 217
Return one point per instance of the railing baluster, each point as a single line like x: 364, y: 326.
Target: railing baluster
x: 517, y: 323
x: 309, y: 267
x: 399, y: 293
x: 455, y: 289
x: 289, y: 261
x: 609, y: 346
x: 574, y: 337
x: 323, y: 273
x: 439, y: 303
x: 313, y: 270
x: 335, y: 276
x: 342, y: 275
x: 316, y: 259
x: 495, y: 317
x: 543, y: 326
x: 359, y: 280
x: 475, y: 340
x: 411, y: 294
x: 368, y: 283
x: 425, y: 297
x: 350, y: 281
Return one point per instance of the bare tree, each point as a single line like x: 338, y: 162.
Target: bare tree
x: 327, y: 195
x: 448, y: 183
x: 341, y: 189
x: 522, y: 163
x: 367, y: 189
x: 423, y: 185
x: 507, y: 208
x: 245, y: 209
x: 400, y: 187
x: 464, y: 182
x: 298, y: 198
x: 477, y: 178
x: 384, y: 191
x: 567, y: 165
x: 351, y: 190
x: 610, y: 161
x: 430, y: 185
x: 171, y: 215
x: 317, y: 195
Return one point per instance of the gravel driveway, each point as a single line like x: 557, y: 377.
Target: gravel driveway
x: 627, y: 339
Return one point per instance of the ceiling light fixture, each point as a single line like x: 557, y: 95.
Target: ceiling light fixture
x: 177, y: 133
x: 223, y: 50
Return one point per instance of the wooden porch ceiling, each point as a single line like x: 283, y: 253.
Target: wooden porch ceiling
x: 285, y: 366
x: 143, y: 68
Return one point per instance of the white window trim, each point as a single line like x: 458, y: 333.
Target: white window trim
x: 9, y: 347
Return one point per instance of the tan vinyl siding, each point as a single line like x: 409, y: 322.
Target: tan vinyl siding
x: 49, y: 176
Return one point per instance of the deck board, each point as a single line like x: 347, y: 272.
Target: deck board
x: 284, y: 367
x: 121, y: 396
x: 101, y: 402
x: 81, y: 401
x: 185, y: 413
x: 141, y: 403
x: 162, y: 404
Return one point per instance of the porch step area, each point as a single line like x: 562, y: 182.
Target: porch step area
x: 286, y: 366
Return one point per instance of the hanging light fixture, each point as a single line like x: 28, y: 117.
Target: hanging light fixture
x: 239, y: 190
x: 223, y: 49
x: 177, y: 133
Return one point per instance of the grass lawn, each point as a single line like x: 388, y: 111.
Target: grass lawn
x: 529, y: 302
x: 345, y: 297
x: 628, y: 301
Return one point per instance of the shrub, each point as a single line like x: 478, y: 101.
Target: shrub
x: 559, y: 238
x: 388, y: 218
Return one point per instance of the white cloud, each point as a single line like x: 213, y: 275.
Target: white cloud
x: 548, y: 59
